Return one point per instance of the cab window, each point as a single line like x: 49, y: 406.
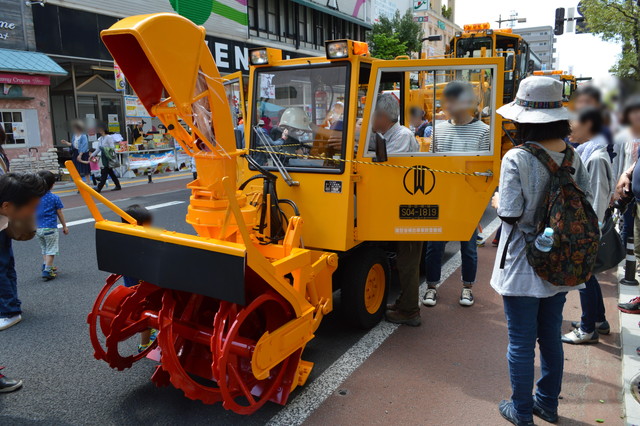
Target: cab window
x: 438, y: 112
x: 233, y: 90
x: 471, y: 47
x: 299, y: 117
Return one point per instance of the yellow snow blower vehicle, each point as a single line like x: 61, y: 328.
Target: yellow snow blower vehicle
x: 236, y: 304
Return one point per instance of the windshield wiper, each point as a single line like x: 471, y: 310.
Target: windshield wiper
x: 269, y: 148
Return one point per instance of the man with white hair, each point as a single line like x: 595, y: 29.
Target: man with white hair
x: 385, y: 121
x: 398, y: 139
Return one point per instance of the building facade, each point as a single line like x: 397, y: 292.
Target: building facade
x: 542, y: 43
x: 25, y: 79
x: 437, y: 18
x: 388, y: 8
x: 68, y: 31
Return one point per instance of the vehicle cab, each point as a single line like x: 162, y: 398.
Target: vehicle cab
x: 315, y: 123
x: 480, y: 40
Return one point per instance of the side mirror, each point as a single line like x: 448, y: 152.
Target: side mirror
x: 381, y: 149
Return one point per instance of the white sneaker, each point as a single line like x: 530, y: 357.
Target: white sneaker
x: 8, y: 322
x: 466, y: 297
x: 430, y: 297
x: 577, y: 337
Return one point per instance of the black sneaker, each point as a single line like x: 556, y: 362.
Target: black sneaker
x: 601, y: 327
x: 508, y: 411
x: 631, y: 307
x: 546, y: 415
x: 9, y: 385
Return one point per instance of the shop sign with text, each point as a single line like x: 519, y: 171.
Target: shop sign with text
x: 232, y: 55
x: 14, y: 28
x: 32, y: 80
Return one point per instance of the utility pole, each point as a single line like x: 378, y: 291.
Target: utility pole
x: 511, y: 19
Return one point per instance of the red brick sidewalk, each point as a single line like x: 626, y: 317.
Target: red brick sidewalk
x: 453, y: 370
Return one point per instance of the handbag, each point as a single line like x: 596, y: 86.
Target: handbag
x: 22, y: 230
x: 611, y: 250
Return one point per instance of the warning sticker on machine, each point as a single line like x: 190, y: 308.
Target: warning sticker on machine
x: 420, y: 211
x: 333, y: 186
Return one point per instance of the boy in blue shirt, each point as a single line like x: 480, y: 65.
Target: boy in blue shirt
x: 47, y: 215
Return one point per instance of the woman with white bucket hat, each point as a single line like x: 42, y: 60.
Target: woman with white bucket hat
x: 532, y: 306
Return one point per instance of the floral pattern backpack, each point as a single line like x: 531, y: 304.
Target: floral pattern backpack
x: 567, y: 211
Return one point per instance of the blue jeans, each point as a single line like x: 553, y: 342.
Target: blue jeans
x: 592, y: 305
x: 468, y: 252
x: 528, y: 319
x: 9, y: 302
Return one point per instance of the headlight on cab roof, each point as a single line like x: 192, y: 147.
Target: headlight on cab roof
x: 258, y: 56
x: 338, y: 49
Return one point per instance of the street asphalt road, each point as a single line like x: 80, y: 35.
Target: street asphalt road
x: 50, y: 349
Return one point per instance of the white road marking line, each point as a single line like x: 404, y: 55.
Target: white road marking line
x: 153, y: 207
x: 316, y: 392
x: 159, y: 206
x: 77, y: 222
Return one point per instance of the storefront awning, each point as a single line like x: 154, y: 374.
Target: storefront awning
x: 18, y: 61
x: 333, y: 12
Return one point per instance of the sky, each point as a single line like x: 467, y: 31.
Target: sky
x: 590, y: 56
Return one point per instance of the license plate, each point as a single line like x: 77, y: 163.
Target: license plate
x: 422, y: 211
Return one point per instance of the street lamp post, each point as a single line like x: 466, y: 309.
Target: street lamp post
x: 500, y: 20
x: 430, y: 38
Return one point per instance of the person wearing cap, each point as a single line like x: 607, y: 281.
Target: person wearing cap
x: 294, y: 123
x: 532, y: 306
x: 261, y: 128
x: 335, y: 116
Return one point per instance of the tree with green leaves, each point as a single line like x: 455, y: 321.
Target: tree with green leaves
x: 447, y: 12
x: 617, y: 20
x: 396, y: 36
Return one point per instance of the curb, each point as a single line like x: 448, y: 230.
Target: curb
x: 629, y: 341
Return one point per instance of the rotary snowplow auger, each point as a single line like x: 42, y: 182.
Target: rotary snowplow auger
x: 233, y: 313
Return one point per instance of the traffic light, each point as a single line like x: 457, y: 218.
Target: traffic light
x: 559, y: 25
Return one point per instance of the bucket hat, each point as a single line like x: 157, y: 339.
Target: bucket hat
x: 539, y: 100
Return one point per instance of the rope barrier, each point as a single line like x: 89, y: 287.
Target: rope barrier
x: 487, y: 174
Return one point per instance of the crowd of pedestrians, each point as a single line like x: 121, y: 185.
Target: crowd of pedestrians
x: 29, y: 209
x: 570, y: 169
x: 586, y: 158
